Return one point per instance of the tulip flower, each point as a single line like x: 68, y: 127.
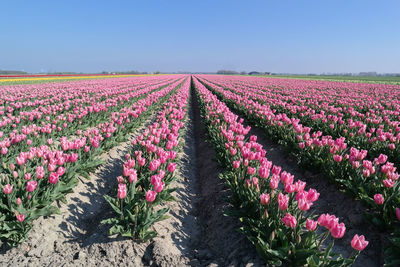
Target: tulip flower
x: 236, y: 164
x: 40, y: 172
x: 289, y: 220
x: 263, y: 172
x: 359, y: 243
x: 379, y: 199
x: 31, y: 186
x: 7, y: 189
x: 264, y: 199
x: 311, y: 225
x: 53, y: 178
x: 20, y: 217
x: 171, y: 167
x: 338, y: 230
x: 150, y: 196
x: 283, y: 201
x: 121, y: 191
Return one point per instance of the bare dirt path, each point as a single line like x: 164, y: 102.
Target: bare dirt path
x: 220, y: 243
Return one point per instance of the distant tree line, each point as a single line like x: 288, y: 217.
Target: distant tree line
x: 10, y: 72
x: 123, y: 72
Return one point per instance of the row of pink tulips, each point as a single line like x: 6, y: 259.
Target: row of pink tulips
x: 44, y: 174
x: 374, y: 181
x: 148, y: 172
x: 271, y: 205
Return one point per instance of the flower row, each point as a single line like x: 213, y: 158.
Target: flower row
x: 273, y: 207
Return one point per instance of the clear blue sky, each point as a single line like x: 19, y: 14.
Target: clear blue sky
x: 279, y: 36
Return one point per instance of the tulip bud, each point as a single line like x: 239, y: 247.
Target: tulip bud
x: 266, y: 214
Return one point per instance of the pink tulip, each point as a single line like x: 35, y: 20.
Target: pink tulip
x: 19, y: 201
x: 133, y: 177
x: 289, y: 220
x: 274, y: 182
x: 40, y: 172
x: 312, y: 195
x: 311, y: 225
x: 120, y: 180
x: 251, y: 170
x: 20, y: 217
x: 338, y: 230
x: 382, y: 158
x: 304, y: 205
x: 150, y: 196
x: 264, y: 199
x: 21, y: 160
x: 141, y: 162
x: 359, y: 243
x: 337, y: 158
x: 4, y: 150
x: 263, y: 172
x: 121, y: 191
x: 7, y: 189
x: 158, y: 187
x: 398, y: 213
x: 53, y: 178
x: 31, y: 186
x: 289, y: 188
x: 299, y: 186
x: 388, y: 183
x: 60, y: 171
x: 283, y: 201
x: 171, y: 167
x: 51, y: 167
x: 236, y: 164
x: 379, y: 199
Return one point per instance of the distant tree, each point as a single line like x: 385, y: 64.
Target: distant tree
x: 10, y: 72
x: 227, y: 72
x: 243, y: 73
x: 254, y: 73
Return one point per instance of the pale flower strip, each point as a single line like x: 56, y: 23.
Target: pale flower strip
x: 148, y: 171
x: 273, y: 194
x: 378, y: 176
x: 42, y: 175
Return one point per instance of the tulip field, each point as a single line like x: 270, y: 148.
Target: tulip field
x: 54, y: 137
